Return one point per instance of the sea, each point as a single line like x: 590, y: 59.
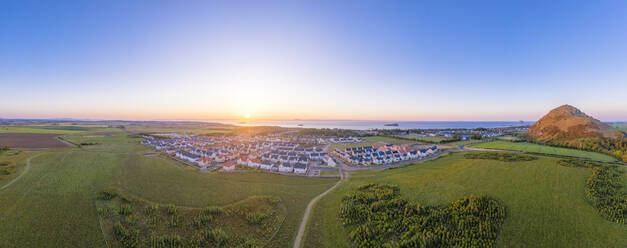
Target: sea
x: 367, y: 125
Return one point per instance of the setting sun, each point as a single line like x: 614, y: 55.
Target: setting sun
x: 247, y: 116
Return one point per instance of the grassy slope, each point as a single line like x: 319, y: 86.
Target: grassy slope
x: 525, y: 147
x: 545, y: 202
x: 53, y: 205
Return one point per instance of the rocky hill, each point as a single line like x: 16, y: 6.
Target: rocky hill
x: 567, y: 123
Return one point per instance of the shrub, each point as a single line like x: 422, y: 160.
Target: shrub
x: 256, y: 217
x: 125, y: 209
x: 202, y: 220
x: 127, y: 238
x: 174, y: 221
x: 151, y: 209
x: 215, y: 210
x: 132, y: 220
x: 216, y: 237
x: 166, y: 241
x: 171, y: 209
x: 107, y: 194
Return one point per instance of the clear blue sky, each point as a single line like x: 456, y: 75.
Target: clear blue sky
x: 391, y: 60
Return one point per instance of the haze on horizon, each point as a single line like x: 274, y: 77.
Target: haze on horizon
x: 338, y: 60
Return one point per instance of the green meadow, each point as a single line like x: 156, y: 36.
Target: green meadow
x: 545, y: 202
x: 52, y: 205
x: 535, y: 148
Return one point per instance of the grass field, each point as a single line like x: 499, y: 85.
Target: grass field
x: 621, y: 127
x: 12, y: 164
x: 526, y: 147
x: 432, y: 139
x: 545, y: 202
x: 53, y: 204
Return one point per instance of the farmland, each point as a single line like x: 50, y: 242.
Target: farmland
x: 535, y: 148
x: 31, y: 140
x: 53, y: 204
x: 545, y: 202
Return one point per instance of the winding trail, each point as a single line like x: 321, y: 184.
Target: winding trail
x: 20, y: 176
x: 303, y: 223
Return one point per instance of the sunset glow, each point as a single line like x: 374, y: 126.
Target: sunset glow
x: 321, y: 61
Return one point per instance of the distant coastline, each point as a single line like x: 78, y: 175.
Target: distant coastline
x: 366, y: 125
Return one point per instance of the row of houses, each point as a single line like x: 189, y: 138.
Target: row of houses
x: 379, y: 155
x: 288, y: 167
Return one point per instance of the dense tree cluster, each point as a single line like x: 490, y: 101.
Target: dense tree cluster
x: 604, y: 188
x: 501, y: 156
x: 376, y: 216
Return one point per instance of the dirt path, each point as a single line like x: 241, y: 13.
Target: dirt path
x: 303, y: 223
x: 20, y: 176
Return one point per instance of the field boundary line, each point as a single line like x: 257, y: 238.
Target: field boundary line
x: 303, y: 223
x: 23, y: 173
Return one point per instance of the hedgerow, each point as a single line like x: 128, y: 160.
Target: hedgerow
x: 501, y: 156
x: 376, y: 216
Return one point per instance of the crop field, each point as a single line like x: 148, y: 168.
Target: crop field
x: 545, y: 202
x: 31, y: 140
x: 58, y: 193
x: 535, y: 148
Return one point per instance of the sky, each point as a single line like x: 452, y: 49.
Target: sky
x: 319, y: 60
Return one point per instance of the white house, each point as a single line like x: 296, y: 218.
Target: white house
x: 285, y: 167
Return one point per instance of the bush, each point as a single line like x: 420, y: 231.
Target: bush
x: 127, y: 238
x: 500, y: 156
x: 256, y: 217
x: 376, y: 216
x: 107, y: 194
x: 214, y: 210
x: 125, y: 209
x: 166, y: 241
x: 171, y: 209
x: 151, y: 209
x: 202, y: 220
x: 216, y: 237
x: 132, y: 220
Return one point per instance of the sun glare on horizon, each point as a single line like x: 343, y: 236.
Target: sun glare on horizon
x: 247, y: 116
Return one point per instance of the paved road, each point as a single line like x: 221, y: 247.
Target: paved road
x: 23, y: 173
x: 303, y: 223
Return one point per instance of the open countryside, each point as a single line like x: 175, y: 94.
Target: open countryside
x: 313, y: 124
